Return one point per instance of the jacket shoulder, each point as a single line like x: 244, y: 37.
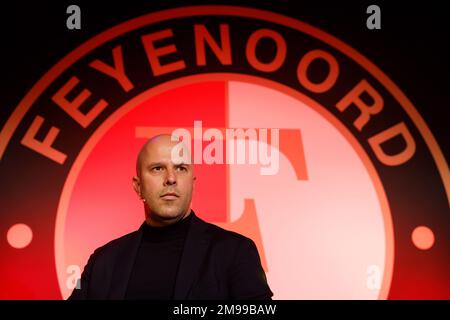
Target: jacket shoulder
x: 221, y: 235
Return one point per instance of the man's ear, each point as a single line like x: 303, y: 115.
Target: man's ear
x: 137, y: 185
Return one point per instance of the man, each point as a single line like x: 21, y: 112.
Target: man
x: 174, y: 254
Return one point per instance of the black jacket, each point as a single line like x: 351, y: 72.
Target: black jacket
x: 215, y: 264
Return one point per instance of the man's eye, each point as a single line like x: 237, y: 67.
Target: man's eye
x: 156, y: 168
x: 182, y: 168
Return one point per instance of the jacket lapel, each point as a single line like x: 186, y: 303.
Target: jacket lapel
x: 195, y: 248
x: 123, y: 267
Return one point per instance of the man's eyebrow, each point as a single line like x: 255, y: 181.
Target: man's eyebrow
x: 152, y: 164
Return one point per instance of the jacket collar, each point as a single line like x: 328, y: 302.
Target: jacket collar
x: 195, y: 248
x: 194, y: 252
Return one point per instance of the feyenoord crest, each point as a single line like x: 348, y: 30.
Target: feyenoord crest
x: 355, y: 205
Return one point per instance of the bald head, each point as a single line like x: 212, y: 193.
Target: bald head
x: 147, y: 148
x: 163, y: 140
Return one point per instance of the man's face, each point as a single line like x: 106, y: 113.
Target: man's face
x: 165, y: 186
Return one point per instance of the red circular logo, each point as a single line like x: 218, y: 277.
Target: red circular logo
x: 329, y: 181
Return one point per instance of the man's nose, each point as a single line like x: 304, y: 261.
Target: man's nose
x: 171, y: 177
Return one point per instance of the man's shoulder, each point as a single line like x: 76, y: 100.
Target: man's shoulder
x: 230, y: 245
x: 221, y: 235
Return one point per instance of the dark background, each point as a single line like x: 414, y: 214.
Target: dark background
x: 412, y: 47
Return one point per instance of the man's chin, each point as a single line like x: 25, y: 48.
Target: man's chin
x: 170, y: 214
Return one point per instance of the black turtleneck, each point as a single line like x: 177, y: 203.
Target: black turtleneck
x: 156, y: 265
